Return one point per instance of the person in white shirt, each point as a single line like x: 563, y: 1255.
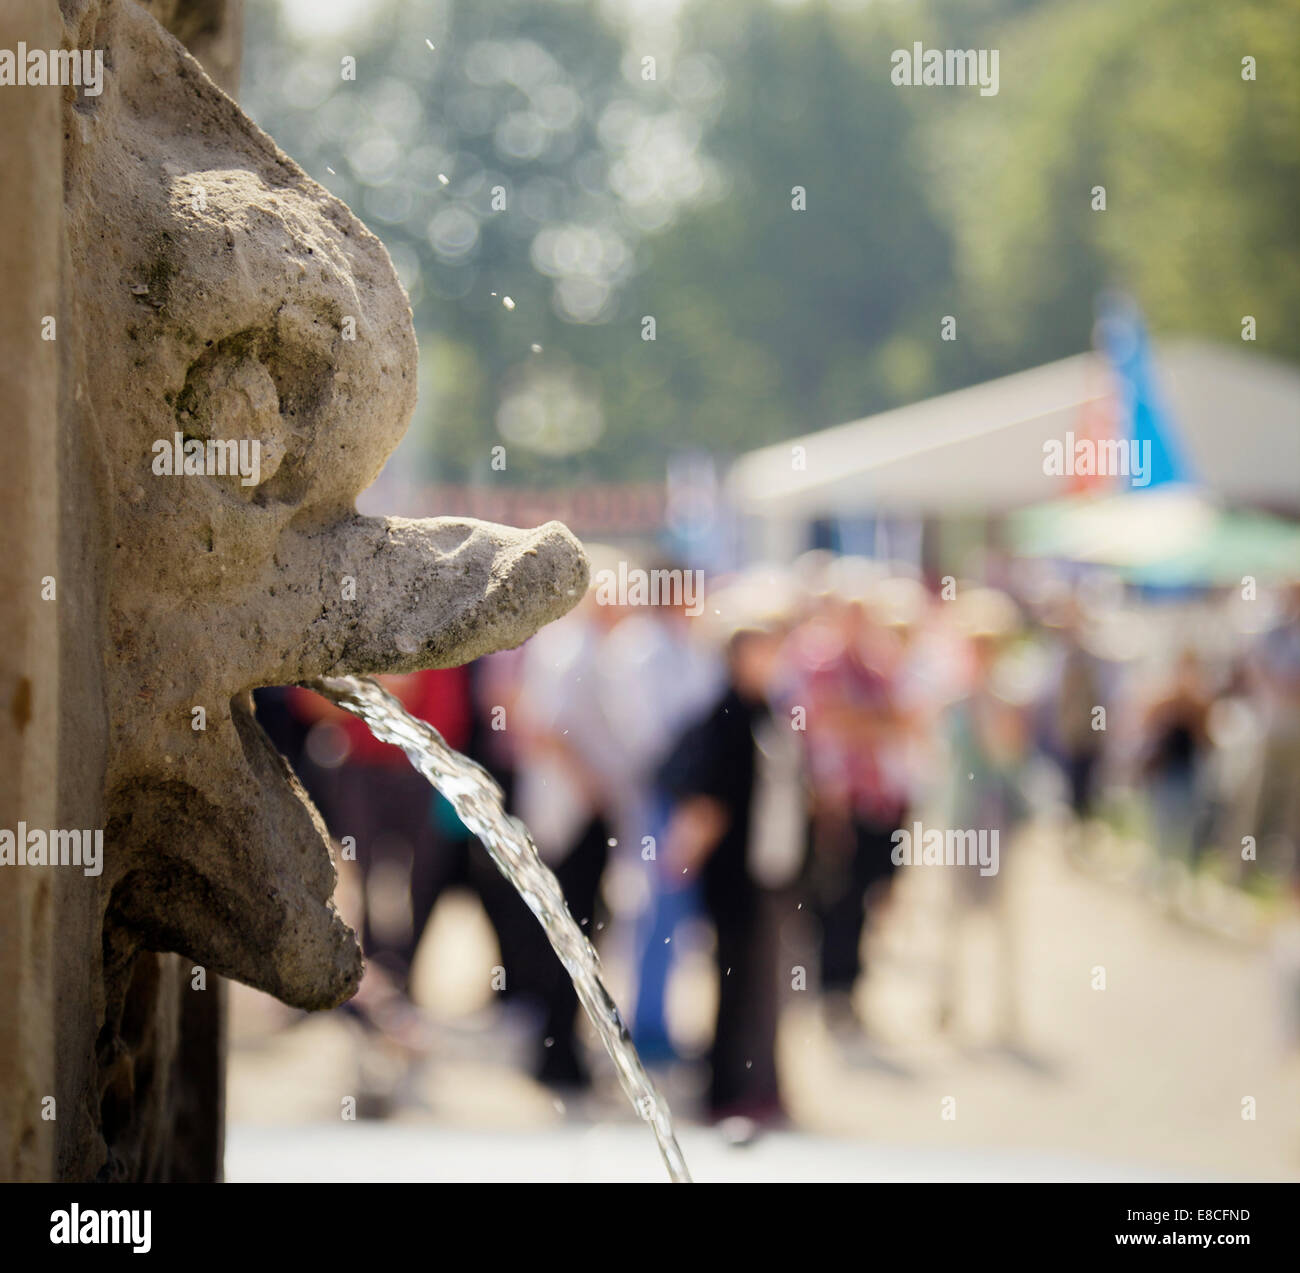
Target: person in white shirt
x: 573, y: 765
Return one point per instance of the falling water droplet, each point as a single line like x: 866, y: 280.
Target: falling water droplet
x: 429, y: 42
x: 537, y: 349
x: 507, y: 302
x: 443, y: 179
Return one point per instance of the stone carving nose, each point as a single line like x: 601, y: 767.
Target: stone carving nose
x: 374, y: 595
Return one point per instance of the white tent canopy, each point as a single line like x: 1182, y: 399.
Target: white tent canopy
x: 980, y: 450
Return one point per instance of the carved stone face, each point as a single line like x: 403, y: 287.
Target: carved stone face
x: 214, y: 290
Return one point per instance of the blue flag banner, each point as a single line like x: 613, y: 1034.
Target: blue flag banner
x: 1122, y: 338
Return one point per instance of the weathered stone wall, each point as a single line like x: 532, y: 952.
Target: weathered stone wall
x: 53, y: 747
x: 30, y: 216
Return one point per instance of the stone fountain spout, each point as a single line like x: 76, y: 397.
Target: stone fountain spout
x: 231, y: 865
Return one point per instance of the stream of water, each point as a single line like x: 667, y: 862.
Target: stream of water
x: 471, y: 791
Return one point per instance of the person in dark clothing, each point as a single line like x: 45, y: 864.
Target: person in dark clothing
x: 713, y: 776
x: 1070, y: 735
x: 1176, y: 728
x: 843, y: 881
x: 562, y: 1064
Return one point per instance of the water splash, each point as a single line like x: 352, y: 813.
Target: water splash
x: 477, y: 800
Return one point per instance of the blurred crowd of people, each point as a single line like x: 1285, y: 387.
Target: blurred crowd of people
x: 758, y: 760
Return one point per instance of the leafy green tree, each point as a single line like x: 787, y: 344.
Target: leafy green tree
x: 1200, y: 167
x: 796, y: 225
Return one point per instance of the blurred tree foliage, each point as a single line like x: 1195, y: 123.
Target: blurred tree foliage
x: 1201, y: 170
x: 671, y: 197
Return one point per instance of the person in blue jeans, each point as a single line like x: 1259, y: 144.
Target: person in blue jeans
x: 670, y: 680
x: 668, y: 909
